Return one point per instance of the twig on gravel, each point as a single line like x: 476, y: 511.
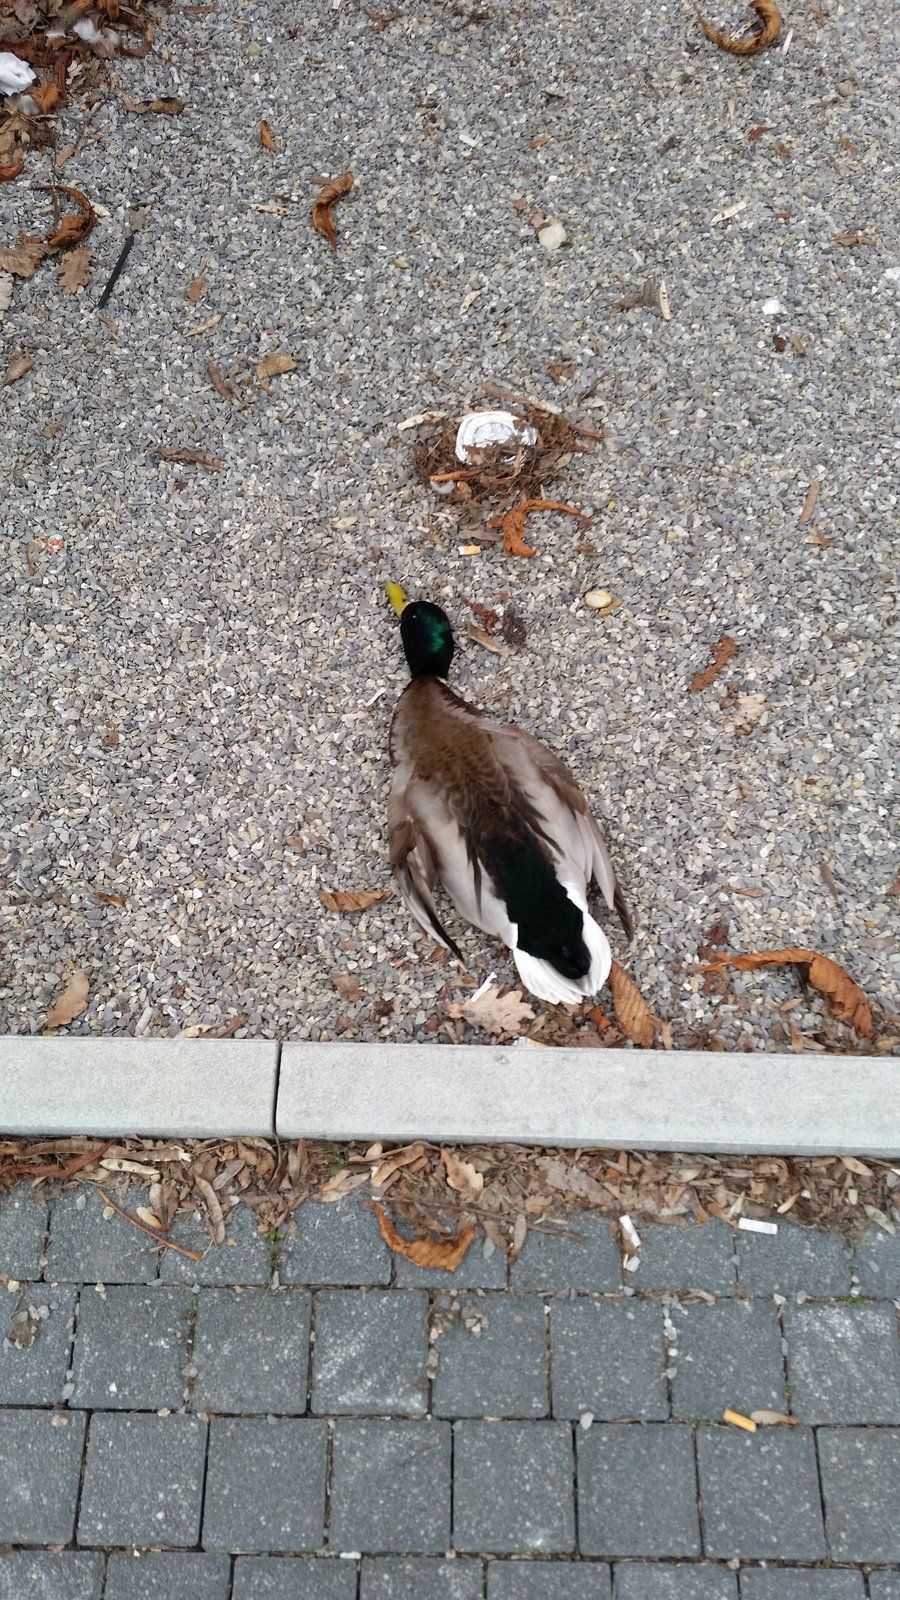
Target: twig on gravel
x: 113, y: 278
x: 153, y: 1233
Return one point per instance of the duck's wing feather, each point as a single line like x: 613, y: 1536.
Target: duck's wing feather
x: 413, y: 863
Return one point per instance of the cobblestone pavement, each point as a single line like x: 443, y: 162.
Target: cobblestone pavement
x: 309, y: 1419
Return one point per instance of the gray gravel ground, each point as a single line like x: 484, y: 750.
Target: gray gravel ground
x: 206, y: 668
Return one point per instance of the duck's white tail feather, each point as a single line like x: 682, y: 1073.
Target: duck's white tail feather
x: 543, y: 980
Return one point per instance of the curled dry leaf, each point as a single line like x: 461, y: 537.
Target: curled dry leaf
x: 445, y: 1254
x: 71, y: 1002
x: 75, y: 269
x: 322, y: 213
x: 723, y: 651
x: 166, y: 106
x: 265, y: 136
x: 513, y: 523
x: 196, y: 458
x: 461, y: 1175
x: 75, y: 225
x: 766, y: 33
x: 352, y: 899
x: 273, y: 366
x: 633, y: 1014
x: 17, y: 369
x: 497, y: 1013
x: 845, y: 997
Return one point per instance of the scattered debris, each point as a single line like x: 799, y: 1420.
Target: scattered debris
x: 501, y: 1014
x: 773, y: 307
x: 71, y: 1003
x: 748, y: 709
x: 196, y: 288
x: 846, y: 998
x: 849, y: 237
x: 17, y: 369
x: 273, y: 367
x: 730, y: 211
x: 118, y: 269
x: 601, y: 601
x: 197, y: 458
x: 352, y: 899
x: 772, y: 1419
x: 552, y: 235
x: 757, y: 1225
x: 723, y: 651
x: 322, y: 213
x: 664, y: 303
x: 647, y: 296
x: 810, y: 503
x: 633, y: 1014
x: 164, y: 105
x: 482, y: 637
x: 462, y: 1175
x: 479, y: 430
x: 766, y: 32
x: 446, y: 1254
x: 497, y: 473
x: 75, y: 269
x: 265, y: 136
x: 513, y: 523
x: 737, y: 1420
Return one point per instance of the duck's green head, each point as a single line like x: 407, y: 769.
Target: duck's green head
x: 426, y: 633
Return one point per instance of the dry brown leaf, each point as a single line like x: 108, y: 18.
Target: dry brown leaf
x: 766, y: 33
x: 63, y: 155
x: 195, y: 458
x: 633, y: 1014
x: 265, y: 136
x: 347, y: 985
x: 24, y: 261
x: 218, y: 381
x: 849, y: 237
x: 322, y: 214
x: 352, y: 899
x: 513, y: 523
x: 111, y: 899
x: 17, y: 369
x: 75, y: 225
x: 482, y: 637
x: 723, y: 651
x: 71, y: 1002
x: 496, y: 1013
x: 461, y: 1175
x: 198, y: 284
x: 47, y: 96
x: 748, y: 708
x: 846, y: 998
x: 166, y: 105
x: 772, y: 1419
x: 445, y: 1254
x: 810, y: 503
x: 273, y: 366
x: 568, y: 1179
x: 394, y: 1162
x: 75, y: 269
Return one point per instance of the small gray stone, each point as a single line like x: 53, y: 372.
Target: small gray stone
x: 131, y: 1347
x: 251, y: 1350
x: 168, y: 1576
x: 884, y: 1586
x: 729, y: 1355
x: 143, y: 1480
x: 390, y: 1485
x: 44, y: 1575
x: 760, y: 1494
x: 88, y: 1247
x: 608, y: 1358
x: 293, y: 1578
x: 513, y: 1487
x: 585, y: 1256
x: 419, y: 1578
x: 336, y: 1243
x: 548, y: 1580
x: 691, y: 1581
x: 40, y: 1468
x: 800, y: 1583
x: 371, y: 1352
x: 23, y: 1229
x: 793, y: 1259
x: 689, y: 1256
x: 861, y: 1489
x: 877, y: 1265
x: 265, y: 1484
x: 34, y: 1375
x: 843, y: 1363
x: 497, y: 1367
x: 475, y: 1271
x: 245, y: 1257
x: 637, y: 1493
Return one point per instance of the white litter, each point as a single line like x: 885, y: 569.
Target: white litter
x: 773, y: 307
x: 479, y: 429
x: 483, y: 988
x: 629, y: 1233
x: 15, y: 74
x: 751, y: 1225
x: 552, y: 236
x: 585, y: 1420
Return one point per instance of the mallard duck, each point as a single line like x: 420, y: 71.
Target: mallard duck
x: 494, y: 815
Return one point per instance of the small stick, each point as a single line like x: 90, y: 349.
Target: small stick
x: 113, y: 280
x: 154, y: 1233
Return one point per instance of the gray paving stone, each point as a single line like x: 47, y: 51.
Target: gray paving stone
x: 265, y: 1484
x: 498, y: 1368
x: 877, y: 1265
x: 608, y: 1358
x: 637, y: 1491
x: 843, y: 1363
x: 476, y: 1270
x: 861, y: 1488
x: 729, y: 1354
x: 548, y: 1580
x: 760, y: 1494
x: 336, y: 1243
x: 43, y: 1575
x: 87, y: 1247
x: 691, y: 1581
x: 40, y: 1468
x: 513, y: 1487
x: 419, y: 1578
x: 689, y: 1256
x: 251, y: 1350
x: 293, y: 1578
x: 371, y: 1352
x: 793, y: 1258
x: 245, y: 1257
x: 131, y: 1347
x: 23, y: 1229
x: 800, y: 1583
x: 884, y: 1585
x: 585, y: 1256
x: 168, y: 1575
x: 390, y: 1486
x: 143, y: 1480
x: 34, y: 1376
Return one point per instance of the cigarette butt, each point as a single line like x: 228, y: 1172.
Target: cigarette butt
x: 754, y: 1225
x: 738, y: 1421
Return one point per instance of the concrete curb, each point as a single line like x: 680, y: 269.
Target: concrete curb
x: 633, y: 1099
